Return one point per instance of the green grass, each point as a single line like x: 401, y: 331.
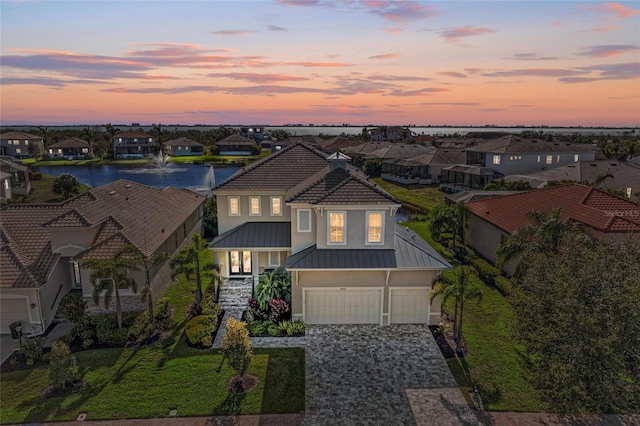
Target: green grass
x: 421, y: 197
x: 494, y: 360
x: 149, y: 382
x: 42, y: 191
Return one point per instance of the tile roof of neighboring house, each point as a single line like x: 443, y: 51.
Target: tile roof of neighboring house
x: 623, y: 174
x: 340, y: 143
x: 410, y: 252
x: 19, y: 135
x: 340, y: 186
x: 256, y: 235
x: 279, y: 171
x: 517, y: 144
x: 434, y: 157
x: 122, y: 211
x: 71, y: 143
x: 182, y: 141
x: 129, y: 134
x: 599, y: 210
x: 472, y: 170
x: 235, y: 139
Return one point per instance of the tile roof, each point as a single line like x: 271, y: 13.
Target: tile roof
x: 235, y: 139
x: 129, y: 134
x: 599, y: 210
x: 516, y: 144
x: 19, y: 135
x: 71, y: 143
x: 340, y: 186
x: 255, y: 235
x: 623, y: 174
x: 280, y: 171
x: 183, y: 141
x: 122, y: 211
x: 410, y: 252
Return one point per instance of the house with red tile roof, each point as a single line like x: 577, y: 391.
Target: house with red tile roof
x: 42, y: 246
x: 333, y: 229
x: 602, y: 214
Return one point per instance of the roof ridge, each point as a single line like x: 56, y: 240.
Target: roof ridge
x: 99, y: 244
x: 83, y: 220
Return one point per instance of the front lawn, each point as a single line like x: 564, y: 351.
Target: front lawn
x: 495, y: 358
x: 149, y: 382
x: 42, y: 191
x: 421, y: 197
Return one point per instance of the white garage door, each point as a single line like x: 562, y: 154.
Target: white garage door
x: 13, y: 310
x: 342, y: 306
x: 410, y: 306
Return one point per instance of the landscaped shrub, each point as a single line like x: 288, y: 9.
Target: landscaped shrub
x: 63, y: 366
x: 200, y: 330
x: 279, y: 310
x: 503, y: 285
x: 486, y: 271
x: 256, y: 328
x: 254, y: 312
x: 273, y: 285
x: 292, y: 328
x: 33, y: 348
x: 208, y: 306
x: 72, y: 307
x: 273, y: 330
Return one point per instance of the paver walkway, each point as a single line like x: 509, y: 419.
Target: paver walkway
x: 373, y: 375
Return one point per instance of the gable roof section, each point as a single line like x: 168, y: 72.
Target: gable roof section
x: 412, y: 252
x: 71, y: 143
x: 340, y: 186
x: 592, y: 207
x: 518, y: 144
x: 235, y: 139
x: 280, y: 171
x: 19, y: 135
x: 255, y: 235
x: 182, y: 141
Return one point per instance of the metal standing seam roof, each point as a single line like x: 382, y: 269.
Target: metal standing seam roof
x: 255, y: 235
x: 410, y: 252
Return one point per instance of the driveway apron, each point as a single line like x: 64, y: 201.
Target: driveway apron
x: 374, y: 375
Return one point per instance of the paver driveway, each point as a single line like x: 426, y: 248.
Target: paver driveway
x: 373, y: 375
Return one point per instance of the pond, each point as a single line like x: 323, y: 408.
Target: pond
x: 189, y: 176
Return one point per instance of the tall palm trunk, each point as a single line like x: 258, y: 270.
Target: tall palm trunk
x: 458, y: 337
x: 198, y: 281
x: 149, y: 298
x: 118, y: 305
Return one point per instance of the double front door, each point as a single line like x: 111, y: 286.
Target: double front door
x: 240, y: 262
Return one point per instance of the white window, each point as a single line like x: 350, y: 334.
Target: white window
x: 557, y: 158
x: 276, y: 206
x: 59, y: 150
x: 496, y: 159
x: 538, y: 158
x: 26, y: 143
x: 337, y: 225
x: 150, y: 140
x: 85, y: 150
x: 254, y: 203
x: 576, y: 158
x: 50, y: 151
x: 549, y: 159
x: 119, y: 140
x: 274, y: 258
x: 18, y: 150
x: 234, y: 206
x: 374, y: 227
x: 304, y: 220
x: 76, y: 274
x: 628, y: 192
x: 9, y: 142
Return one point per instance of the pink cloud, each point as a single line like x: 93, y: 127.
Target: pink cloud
x: 260, y: 78
x: 452, y: 74
x: 607, y: 51
x: 602, y: 28
x: 532, y: 57
x: 400, y: 11
x: 232, y: 32
x: 392, y: 30
x: 456, y: 33
x: 386, y: 56
x: 618, y: 11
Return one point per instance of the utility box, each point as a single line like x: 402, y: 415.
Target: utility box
x: 13, y: 327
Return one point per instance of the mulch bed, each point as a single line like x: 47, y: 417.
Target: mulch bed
x: 445, y: 341
x: 248, y: 383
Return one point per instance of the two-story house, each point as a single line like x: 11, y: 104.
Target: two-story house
x: 334, y: 230
x: 514, y: 155
x: 42, y: 246
x: 21, y: 144
x: 132, y: 144
x: 15, y: 178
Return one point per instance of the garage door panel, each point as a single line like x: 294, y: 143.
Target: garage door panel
x: 12, y: 310
x: 342, y: 306
x: 410, y: 306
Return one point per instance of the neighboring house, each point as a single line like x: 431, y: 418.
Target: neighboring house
x: 460, y: 177
x: 70, y: 148
x: 20, y: 144
x: 624, y: 177
x: 492, y: 220
x: 133, y: 144
x: 5, y: 185
x: 235, y: 145
x: 183, y: 146
x: 388, y: 150
x: 42, y: 246
x: 423, y: 168
x: 19, y: 182
x: 514, y: 155
x: 257, y: 134
x: 334, y: 230
x: 389, y: 133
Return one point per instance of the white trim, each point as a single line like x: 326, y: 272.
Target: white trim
x: 229, y: 198
x: 428, y: 288
x: 269, y: 256
x: 366, y: 228
x: 298, y: 220
x: 251, y: 199
x: 344, y: 228
x: 304, y: 297
x: 273, y: 197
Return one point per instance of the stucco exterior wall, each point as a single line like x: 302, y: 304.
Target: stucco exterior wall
x: 356, y: 228
x: 525, y: 163
x: 227, y: 222
x: 58, y: 284
x: 302, y: 240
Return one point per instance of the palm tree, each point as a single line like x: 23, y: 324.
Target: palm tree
x: 66, y: 185
x: 110, y: 275
x: 449, y: 218
x: 461, y: 290
x: 187, y: 262
x: 147, y: 263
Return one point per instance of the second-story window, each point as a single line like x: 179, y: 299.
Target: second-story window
x: 337, y: 225
x: 276, y: 206
x: 549, y: 159
x: 304, y: 220
x: 234, y: 206
x: 496, y: 159
x: 374, y: 227
x: 254, y: 203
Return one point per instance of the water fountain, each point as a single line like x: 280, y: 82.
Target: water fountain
x: 210, y: 178
x: 160, y: 160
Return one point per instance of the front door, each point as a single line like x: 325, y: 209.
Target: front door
x: 240, y: 262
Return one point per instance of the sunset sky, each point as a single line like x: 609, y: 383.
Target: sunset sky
x: 322, y: 62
